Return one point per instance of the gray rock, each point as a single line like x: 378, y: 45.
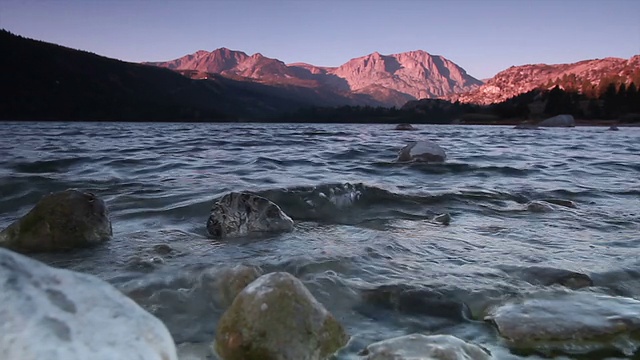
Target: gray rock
x: 423, y: 347
x: 613, y: 128
x: 558, y: 121
x: 444, y: 219
x: 240, y: 214
x: 405, y: 126
x: 57, y: 314
x: 277, y: 318
x: 422, y: 151
x: 60, y: 221
x: 537, y: 206
x: 570, y: 322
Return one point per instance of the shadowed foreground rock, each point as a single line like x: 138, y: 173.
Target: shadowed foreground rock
x: 60, y: 221
x: 422, y: 151
x: 54, y: 314
x: 423, y: 347
x: 277, y: 318
x: 570, y: 322
x: 240, y: 214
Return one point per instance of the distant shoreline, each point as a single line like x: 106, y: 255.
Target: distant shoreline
x: 507, y: 122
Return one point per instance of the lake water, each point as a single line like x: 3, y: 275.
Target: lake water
x: 160, y: 180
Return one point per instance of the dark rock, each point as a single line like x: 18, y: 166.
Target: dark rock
x: 60, y: 221
x: 547, y: 276
x: 417, y: 301
x: 405, y: 126
x: 240, y: 214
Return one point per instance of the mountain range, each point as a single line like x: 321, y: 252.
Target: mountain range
x: 584, y: 77
x: 44, y: 81
x: 387, y: 80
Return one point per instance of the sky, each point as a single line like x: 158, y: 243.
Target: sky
x: 482, y: 36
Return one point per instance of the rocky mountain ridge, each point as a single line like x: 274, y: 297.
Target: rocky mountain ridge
x: 389, y: 79
x: 584, y: 77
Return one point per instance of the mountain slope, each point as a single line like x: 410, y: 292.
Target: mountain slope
x: 43, y: 81
x: 582, y: 76
x: 388, y: 79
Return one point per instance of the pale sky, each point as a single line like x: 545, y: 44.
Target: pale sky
x: 482, y: 36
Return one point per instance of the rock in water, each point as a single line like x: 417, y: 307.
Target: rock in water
x: 569, y: 322
x: 56, y: 314
x: 558, y: 121
x: 277, y: 318
x: 613, y: 128
x: 422, y: 151
x: 239, y: 214
x: 423, y: 347
x: 226, y: 283
x: 405, y: 126
x: 60, y: 221
x: 444, y: 219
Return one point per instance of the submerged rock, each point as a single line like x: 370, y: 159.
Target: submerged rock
x: 558, y: 121
x: 60, y: 221
x: 547, y: 276
x: 56, y: 314
x: 225, y: 284
x: 613, y: 128
x: 423, y: 347
x: 422, y: 151
x: 562, y: 202
x: 405, y: 126
x: 417, y: 301
x: 240, y: 214
x: 569, y: 322
x: 276, y: 317
x: 539, y: 206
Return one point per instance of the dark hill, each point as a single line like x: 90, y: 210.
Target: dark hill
x: 43, y: 81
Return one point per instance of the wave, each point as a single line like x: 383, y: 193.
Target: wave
x: 49, y: 166
x: 462, y: 168
x: 354, y: 203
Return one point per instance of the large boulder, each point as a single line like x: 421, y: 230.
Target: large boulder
x: 570, y: 322
x: 240, y: 214
x: 56, y: 314
x: 423, y: 347
x: 277, y: 318
x: 60, y: 221
x: 422, y: 151
x: 558, y: 121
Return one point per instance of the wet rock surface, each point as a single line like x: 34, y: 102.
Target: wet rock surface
x: 569, y: 322
x: 60, y: 221
x: 276, y: 317
x: 240, y: 214
x: 423, y: 347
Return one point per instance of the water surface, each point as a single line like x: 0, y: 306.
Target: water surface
x: 160, y: 180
